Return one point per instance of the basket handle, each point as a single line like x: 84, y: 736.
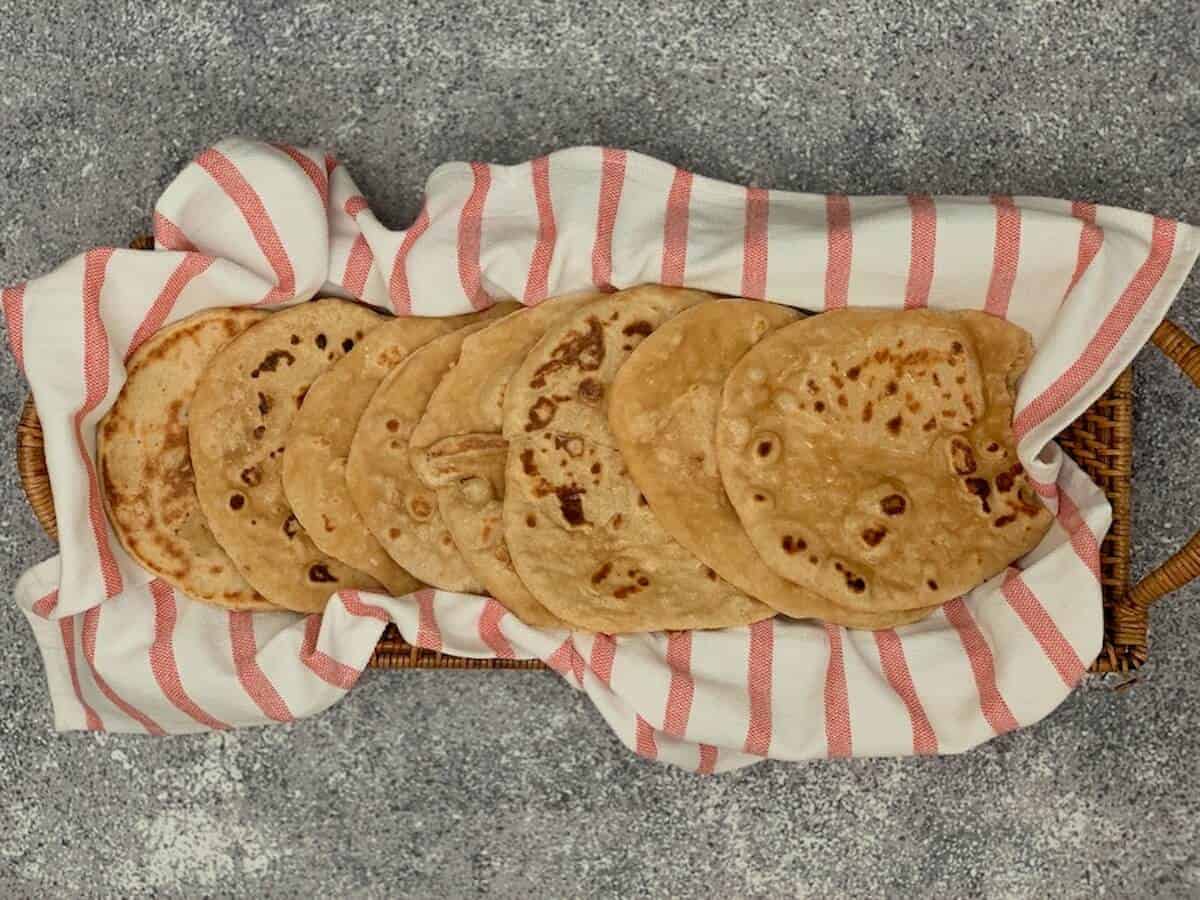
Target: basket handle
x: 1183, y: 350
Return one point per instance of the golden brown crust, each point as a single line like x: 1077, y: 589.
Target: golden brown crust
x: 870, y: 457
x: 314, y: 467
x: 581, y: 537
x: 458, y: 450
x: 241, y: 415
x: 666, y: 400
x: 146, y: 474
x: 398, y: 509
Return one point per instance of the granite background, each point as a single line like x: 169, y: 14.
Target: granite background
x: 509, y: 784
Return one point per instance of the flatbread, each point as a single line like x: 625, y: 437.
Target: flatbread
x: 458, y: 450
x: 581, y: 536
x: 146, y: 473
x: 244, y: 406
x: 869, y: 454
x: 665, y: 402
x: 398, y: 509
x: 314, y: 468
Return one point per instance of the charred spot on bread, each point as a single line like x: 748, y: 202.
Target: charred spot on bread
x: 319, y: 573
x: 873, y: 536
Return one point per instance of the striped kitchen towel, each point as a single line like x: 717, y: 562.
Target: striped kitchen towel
x: 253, y: 223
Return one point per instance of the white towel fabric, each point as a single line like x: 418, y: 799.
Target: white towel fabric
x: 252, y: 223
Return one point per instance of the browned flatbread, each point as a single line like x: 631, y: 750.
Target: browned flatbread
x: 146, y: 473
x: 582, y: 538
x: 314, y: 468
x: 870, y: 458
x: 241, y: 415
x: 458, y: 449
x: 399, y: 510
x: 665, y: 402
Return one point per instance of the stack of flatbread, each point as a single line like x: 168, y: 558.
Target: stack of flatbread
x: 650, y: 459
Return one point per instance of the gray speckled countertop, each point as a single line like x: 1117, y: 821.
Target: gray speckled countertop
x: 510, y: 784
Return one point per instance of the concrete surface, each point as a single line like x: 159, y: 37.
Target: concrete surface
x: 509, y: 784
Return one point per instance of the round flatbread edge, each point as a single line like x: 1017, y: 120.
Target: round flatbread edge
x: 144, y: 465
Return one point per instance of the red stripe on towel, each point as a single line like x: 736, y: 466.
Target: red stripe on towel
x: 91, y: 627
x: 1005, y: 255
x: 1083, y: 542
x: 895, y: 669
x: 429, y: 634
x: 567, y: 661
x: 358, y: 267
x: 1107, y: 336
x: 543, y: 252
x: 333, y: 672
x: 162, y: 657
x: 316, y: 174
x: 675, y: 229
x: 612, y: 180
x: 356, y: 606
x: 922, y: 245
x: 95, y: 377
x: 249, y: 203
x: 45, y: 605
x: 252, y: 678
x: 470, y: 237
x: 1029, y: 609
x: 604, y: 652
x: 398, y: 288
x: 646, y: 745
x: 193, y: 264
x: 66, y: 627
x: 14, y: 316
x: 838, y: 739
x: 489, y: 629
x: 983, y: 667
x: 170, y: 236
x: 682, y: 689
x: 754, y: 247
x: 840, y: 251
x: 1091, y: 238
x: 758, y: 684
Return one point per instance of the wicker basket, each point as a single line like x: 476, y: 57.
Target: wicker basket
x: 1101, y: 441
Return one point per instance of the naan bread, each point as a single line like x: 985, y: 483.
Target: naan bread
x: 397, y: 508
x: 241, y: 414
x: 665, y: 402
x: 314, y: 468
x: 581, y: 536
x: 145, y: 470
x: 869, y: 454
x: 458, y: 450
